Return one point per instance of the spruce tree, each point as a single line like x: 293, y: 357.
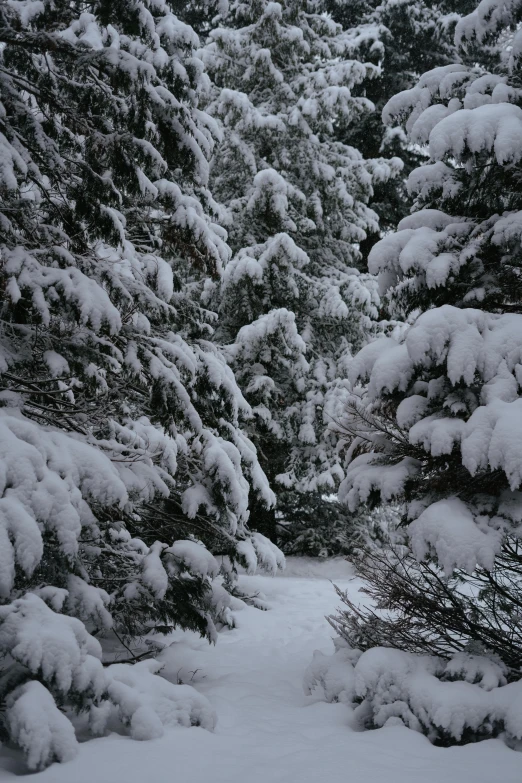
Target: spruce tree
x: 293, y: 306
x: 405, y: 40
x: 439, y: 425
x: 113, y: 396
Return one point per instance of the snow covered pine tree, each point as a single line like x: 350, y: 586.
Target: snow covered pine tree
x: 405, y: 39
x: 292, y: 305
x: 441, y: 423
x: 112, y: 393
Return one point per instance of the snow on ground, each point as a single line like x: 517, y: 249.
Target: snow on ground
x: 267, y: 729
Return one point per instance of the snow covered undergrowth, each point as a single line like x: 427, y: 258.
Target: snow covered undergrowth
x: 267, y: 729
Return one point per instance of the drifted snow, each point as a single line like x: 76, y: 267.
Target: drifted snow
x: 267, y: 729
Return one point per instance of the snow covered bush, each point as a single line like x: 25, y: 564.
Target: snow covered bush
x: 293, y: 306
x: 438, y: 424
x: 454, y: 701
x: 114, y: 402
x: 51, y: 661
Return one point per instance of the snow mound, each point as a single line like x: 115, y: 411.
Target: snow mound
x: 148, y: 704
x: 328, y: 677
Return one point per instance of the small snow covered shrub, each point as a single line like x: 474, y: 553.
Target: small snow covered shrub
x: 439, y: 425
x: 121, y: 425
x: 458, y: 701
x: 452, y: 701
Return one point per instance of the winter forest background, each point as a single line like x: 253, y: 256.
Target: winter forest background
x: 260, y: 294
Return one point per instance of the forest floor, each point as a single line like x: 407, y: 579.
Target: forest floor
x: 268, y: 731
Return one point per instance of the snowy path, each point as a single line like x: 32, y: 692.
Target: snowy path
x: 268, y: 732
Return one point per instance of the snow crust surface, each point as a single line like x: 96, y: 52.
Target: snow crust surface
x: 267, y: 729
